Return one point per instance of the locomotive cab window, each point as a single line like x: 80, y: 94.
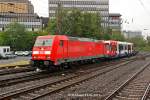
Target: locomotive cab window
x: 120, y: 47
x: 61, y: 43
x: 107, y: 46
x: 43, y: 42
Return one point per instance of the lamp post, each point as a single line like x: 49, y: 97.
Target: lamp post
x: 58, y: 19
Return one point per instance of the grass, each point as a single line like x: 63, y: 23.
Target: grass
x: 146, y: 48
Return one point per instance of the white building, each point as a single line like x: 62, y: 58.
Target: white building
x: 115, y: 22
x: 132, y: 34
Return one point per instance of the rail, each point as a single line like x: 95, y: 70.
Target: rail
x: 113, y: 94
x: 146, y: 93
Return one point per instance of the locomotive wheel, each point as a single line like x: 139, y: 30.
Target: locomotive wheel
x: 66, y: 65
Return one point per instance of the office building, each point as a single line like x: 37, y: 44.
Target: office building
x: 93, y: 6
x: 20, y: 11
x: 115, y: 22
x: 132, y: 34
x: 16, y: 6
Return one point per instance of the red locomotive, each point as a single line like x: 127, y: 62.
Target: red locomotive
x: 54, y: 50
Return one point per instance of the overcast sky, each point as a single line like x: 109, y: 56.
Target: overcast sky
x: 134, y: 12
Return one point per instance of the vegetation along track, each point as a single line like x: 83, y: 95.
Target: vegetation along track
x: 37, y: 91
x: 134, y: 87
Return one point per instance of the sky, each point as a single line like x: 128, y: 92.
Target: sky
x: 135, y: 13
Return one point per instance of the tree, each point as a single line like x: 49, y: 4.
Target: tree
x: 117, y: 37
x: 30, y: 40
x: 15, y: 36
x: 51, y: 27
x: 91, y: 26
x: 74, y: 22
x: 2, y: 38
x: 18, y: 38
x: 138, y: 41
x: 106, y: 36
x: 148, y: 40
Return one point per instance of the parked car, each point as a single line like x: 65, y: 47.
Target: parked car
x: 26, y: 53
x: 19, y: 53
x: 22, y: 53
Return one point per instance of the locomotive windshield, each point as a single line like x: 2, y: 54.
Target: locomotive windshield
x: 43, y: 42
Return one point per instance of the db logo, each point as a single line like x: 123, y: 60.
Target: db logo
x: 41, y: 52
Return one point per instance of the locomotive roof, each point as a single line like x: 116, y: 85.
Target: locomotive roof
x: 69, y: 37
x: 82, y: 39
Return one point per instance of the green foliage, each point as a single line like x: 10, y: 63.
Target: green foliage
x: 91, y: 26
x: 146, y: 48
x: 138, y: 41
x: 2, y: 38
x: 148, y: 40
x: 117, y: 37
x: 51, y: 28
x: 106, y: 36
x: 17, y: 37
x: 73, y: 22
x: 140, y: 44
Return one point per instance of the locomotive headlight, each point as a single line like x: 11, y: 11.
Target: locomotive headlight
x: 107, y: 51
x: 35, y: 57
x: 35, y: 52
x: 47, y: 52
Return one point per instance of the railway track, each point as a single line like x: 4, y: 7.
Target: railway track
x: 30, y: 76
x: 13, y: 66
x: 23, y: 77
x: 146, y: 95
x: 135, y: 87
x: 16, y: 70
x: 16, y: 92
x: 44, y: 88
x: 11, y: 79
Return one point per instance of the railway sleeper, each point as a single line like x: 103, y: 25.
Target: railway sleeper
x: 130, y: 95
x: 126, y: 98
x: 132, y: 92
x: 142, y: 86
x: 133, y: 89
